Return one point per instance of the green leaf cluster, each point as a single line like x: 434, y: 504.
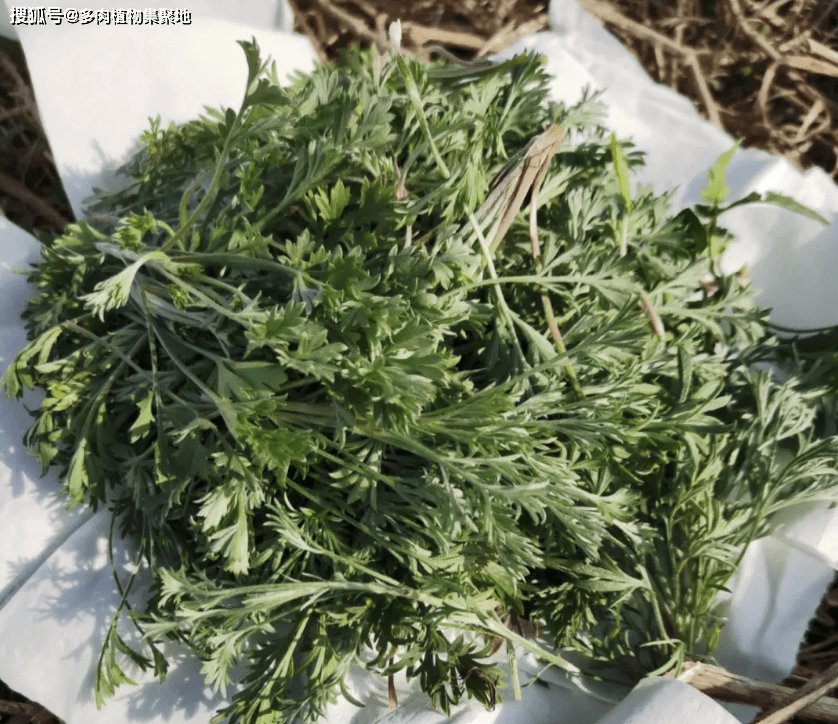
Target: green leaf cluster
x: 344, y: 432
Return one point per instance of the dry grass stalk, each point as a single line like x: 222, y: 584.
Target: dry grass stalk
x: 724, y: 686
x: 757, y: 70
x: 813, y: 690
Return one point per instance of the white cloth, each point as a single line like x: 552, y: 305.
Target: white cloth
x: 96, y: 88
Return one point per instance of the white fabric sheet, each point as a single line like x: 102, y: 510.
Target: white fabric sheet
x: 97, y: 86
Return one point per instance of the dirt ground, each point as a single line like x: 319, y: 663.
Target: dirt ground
x: 766, y: 71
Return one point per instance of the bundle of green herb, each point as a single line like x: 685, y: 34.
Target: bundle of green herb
x: 348, y: 400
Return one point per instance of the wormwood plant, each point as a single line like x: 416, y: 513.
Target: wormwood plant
x: 354, y: 408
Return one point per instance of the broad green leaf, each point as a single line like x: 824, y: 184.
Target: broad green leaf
x: 716, y: 191
x: 78, y: 480
x: 142, y: 425
x: 781, y: 200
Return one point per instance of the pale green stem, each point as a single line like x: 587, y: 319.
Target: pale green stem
x: 413, y: 93
x: 178, y: 237
x: 557, y: 338
x: 504, y: 308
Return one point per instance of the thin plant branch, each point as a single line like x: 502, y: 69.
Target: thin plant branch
x: 723, y: 686
x: 816, y: 688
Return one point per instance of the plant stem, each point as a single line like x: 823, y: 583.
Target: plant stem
x: 413, y: 94
x: 556, y: 334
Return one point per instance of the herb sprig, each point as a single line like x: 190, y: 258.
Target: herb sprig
x: 348, y: 400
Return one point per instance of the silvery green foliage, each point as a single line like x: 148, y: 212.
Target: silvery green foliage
x: 337, y: 431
